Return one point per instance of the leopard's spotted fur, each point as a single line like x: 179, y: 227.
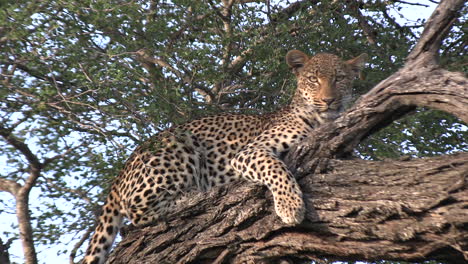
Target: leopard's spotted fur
x: 216, y: 150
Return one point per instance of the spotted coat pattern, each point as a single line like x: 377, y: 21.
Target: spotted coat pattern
x: 217, y: 150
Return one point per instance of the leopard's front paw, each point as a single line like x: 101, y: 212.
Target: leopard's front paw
x: 290, y: 209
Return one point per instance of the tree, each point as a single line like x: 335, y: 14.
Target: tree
x: 83, y: 83
x: 411, y: 210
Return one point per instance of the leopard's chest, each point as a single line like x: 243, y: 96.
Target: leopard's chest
x: 216, y: 149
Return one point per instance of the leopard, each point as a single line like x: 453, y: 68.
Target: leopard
x: 219, y: 149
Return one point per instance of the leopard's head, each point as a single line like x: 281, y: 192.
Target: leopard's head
x: 324, y: 80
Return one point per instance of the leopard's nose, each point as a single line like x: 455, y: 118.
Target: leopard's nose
x: 328, y: 101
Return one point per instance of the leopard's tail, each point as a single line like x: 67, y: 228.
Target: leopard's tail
x: 107, y: 228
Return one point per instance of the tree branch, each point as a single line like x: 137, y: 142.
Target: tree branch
x: 238, y: 62
x: 49, y: 160
x: 24, y: 218
x: 389, y: 100
x: 21, y: 194
x: 369, y: 31
x: 20, y: 146
x: 9, y: 186
x: 80, y: 243
x: 353, y: 214
x: 435, y: 30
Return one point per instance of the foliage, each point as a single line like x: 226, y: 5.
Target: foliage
x: 83, y: 82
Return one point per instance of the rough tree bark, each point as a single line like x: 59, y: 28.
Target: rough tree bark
x: 411, y: 210
x: 357, y: 210
x: 21, y: 194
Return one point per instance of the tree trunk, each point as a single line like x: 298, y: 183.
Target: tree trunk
x: 410, y: 210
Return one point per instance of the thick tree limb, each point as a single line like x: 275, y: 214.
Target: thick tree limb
x: 358, y: 210
x: 435, y: 30
x: 396, y: 96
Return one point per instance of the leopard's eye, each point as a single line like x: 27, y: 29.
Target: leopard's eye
x: 313, y: 79
x: 339, y: 78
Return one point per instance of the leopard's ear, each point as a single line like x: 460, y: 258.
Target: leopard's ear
x: 296, y: 59
x: 357, y: 64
